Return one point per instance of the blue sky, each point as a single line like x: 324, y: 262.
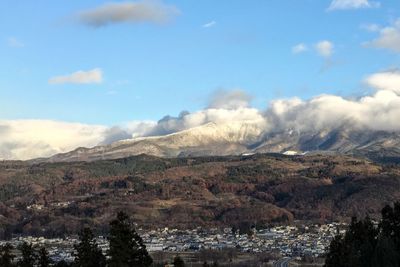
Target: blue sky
x: 149, y: 69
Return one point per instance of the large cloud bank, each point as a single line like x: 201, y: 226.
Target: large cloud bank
x: 25, y: 139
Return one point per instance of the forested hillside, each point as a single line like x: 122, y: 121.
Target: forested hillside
x: 54, y: 199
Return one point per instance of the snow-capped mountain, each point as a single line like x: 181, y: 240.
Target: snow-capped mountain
x: 242, y: 138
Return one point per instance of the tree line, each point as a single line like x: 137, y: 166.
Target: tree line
x: 368, y: 244
x: 126, y: 249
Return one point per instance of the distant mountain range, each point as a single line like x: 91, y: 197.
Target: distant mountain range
x: 244, y: 138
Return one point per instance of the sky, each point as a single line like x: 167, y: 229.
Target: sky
x: 72, y: 72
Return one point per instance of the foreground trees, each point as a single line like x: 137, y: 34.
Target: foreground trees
x: 6, y: 257
x: 29, y: 256
x: 43, y: 258
x: 127, y: 249
x: 126, y: 246
x: 367, y: 245
x: 88, y: 254
x: 178, y: 262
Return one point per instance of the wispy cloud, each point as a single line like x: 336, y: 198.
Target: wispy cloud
x: 352, y: 4
x: 232, y: 99
x: 14, y: 42
x: 299, y: 48
x: 79, y: 77
x: 324, y: 48
x: 152, y: 11
x: 371, y: 27
x: 209, y: 24
x: 389, y: 38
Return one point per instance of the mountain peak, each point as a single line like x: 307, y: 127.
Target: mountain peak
x: 240, y: 138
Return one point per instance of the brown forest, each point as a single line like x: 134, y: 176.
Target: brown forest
x: 56, y: 199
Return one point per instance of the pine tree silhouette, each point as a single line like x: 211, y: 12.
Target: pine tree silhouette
x: 178, y: 262
x: 88, y: 254
x: 6, y: 256
x: 28, y: 255
x: 43, y: 258
x: 126, y: 246
x: 365, y: 245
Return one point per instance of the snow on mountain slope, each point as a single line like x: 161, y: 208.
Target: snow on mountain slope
x: 241, y: 138
x: 208, y: 139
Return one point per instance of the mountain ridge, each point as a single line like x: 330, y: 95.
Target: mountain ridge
x: 224, y: 139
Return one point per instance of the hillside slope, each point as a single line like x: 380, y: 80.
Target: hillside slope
x: 59, y: 198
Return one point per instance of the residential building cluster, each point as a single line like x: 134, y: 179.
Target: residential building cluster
x: 289, y: 241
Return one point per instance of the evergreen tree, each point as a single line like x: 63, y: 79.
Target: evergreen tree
x: 43, y: 258
x: 356, y: 248
x: 335, y: 256
x: 126, y: 246
x: 178, y: 262
x: 390, y: 224
x: 63, y: 264
x: 385, y: 254
x: 28, y: 255
x: 88, y: 254
x: 6, y: 257
x: 365, y: 245
x: 360, y: 242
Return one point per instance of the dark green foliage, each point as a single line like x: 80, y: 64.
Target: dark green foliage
x: 6, y: 256
x: 238, y: 174
x: 335, y: 257
x: 63, y: 264
x: 178, y: 262
x: 43, y: 258
x: 9, y: 191
x: 365, y: 245
x: 28, y: 255
x: 390, y: 224
x: 68, y: 176
x: 126, y: 246
x: 88, y: 254
x: 385, y: 254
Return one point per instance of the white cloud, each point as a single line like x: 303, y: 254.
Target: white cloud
x: 388, y: 80
x: 187, y: 120
x: 233, y: 99
x: 24, y: 139
x: 389, y: 38
x: 79, y: 77
x: 209, y: 24
x: 371, y: 27
x: 14, y: 42
x: 352, y: 4
x: 379, y: 111
x: 299, y: 48
x: 128, y: 12
x: 324, y: 48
